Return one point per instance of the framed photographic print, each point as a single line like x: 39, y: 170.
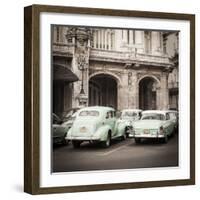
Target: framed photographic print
x: 109, y: 99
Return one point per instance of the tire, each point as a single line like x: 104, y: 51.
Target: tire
x: 64, y: 142
x: 137, y: 140
x: 124, y: 136
x: 76, y: 144
x: 165, y: 139
x: 107, y: 143
x: 127, y: 133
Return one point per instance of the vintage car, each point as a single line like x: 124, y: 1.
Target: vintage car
x: 154, y: 124
x: 96, y: 124
x: 174, y: 116
x: 129, y: 116
x: 59, y: 131
x: 70, y: 120
x: 67, y: 115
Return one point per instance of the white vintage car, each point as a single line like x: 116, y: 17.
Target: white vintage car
x: 154, y: 124
x: 129, y: 116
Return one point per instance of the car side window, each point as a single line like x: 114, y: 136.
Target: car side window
x: 112, y: 114
x: 167, y: 116
x: 140, y: 115
x: 107, y: 115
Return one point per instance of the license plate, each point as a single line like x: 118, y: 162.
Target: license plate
x: 83, y: 129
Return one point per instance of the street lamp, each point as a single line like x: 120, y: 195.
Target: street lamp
x: 82, y: 66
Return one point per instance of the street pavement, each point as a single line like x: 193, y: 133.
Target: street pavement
x: 120, y: 155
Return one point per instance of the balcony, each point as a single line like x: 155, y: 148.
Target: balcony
x: 62, y: 49
x: 129, y: 57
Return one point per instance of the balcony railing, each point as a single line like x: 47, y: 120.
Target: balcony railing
x: 115, y: 56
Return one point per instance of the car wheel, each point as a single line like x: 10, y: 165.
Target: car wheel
x: 64, y: 142
x: 76, y: 144
x: 107, y: 143
x: 124, y: 136
x: 127, y: 131
x: 137, y: 140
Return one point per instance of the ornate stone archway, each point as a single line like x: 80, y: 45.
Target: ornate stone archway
x: 159, y: 86
x: 149, y: 93
x: 103, y: 89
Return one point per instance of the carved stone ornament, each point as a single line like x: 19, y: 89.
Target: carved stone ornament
x: 82, y: 61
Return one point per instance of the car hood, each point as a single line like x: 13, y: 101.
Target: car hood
x: 148, y: 124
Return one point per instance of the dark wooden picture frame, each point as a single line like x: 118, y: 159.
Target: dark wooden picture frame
x: 32, y: 92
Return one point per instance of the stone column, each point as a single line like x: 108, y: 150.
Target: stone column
x: 133, y: 91
x: 122, y: 97
x: 131, y: 37
x: 102, y: 38
x: 164, y: 92
x: 155, y: 42
x: 99, y: 39
x: 105, y: 39
x: 158, y: 100
x: 95, y: 39
x: 109, y: 40
x: 138, y: 37
x: 122, y: 92
x: 124, y: 36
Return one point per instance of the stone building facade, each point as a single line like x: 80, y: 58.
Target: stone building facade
x: 115, y: 67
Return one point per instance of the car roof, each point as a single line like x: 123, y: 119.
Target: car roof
x: 155, y: 111
x: 132, y: 110
x: 98, y: 108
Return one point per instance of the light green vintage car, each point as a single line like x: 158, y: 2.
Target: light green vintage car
x: 129, y: 116
x: 59, y: 131
x: 96, y: 123
x: 154, y: 124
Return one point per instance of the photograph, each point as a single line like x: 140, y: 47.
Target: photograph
x: 109, y: 99
x: 114, y: 98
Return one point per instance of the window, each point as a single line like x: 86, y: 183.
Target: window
x: 153, y: 116
x: 112, y: 114
x: 91, y: 113
x: 167, y: 116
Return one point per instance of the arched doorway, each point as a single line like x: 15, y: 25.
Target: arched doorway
x: 103, y: 91
x: 148, y: 93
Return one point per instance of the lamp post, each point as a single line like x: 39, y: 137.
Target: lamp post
x: 82, y: 65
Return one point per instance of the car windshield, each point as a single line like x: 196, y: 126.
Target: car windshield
x: 92, y: 113
x: 153, y: 116
x: 129, y: 114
